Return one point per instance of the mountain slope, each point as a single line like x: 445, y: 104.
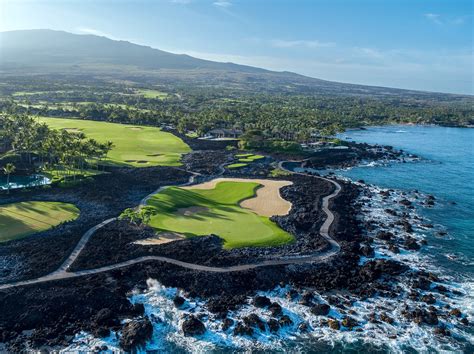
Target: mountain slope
x: 48, y: 47
x: 49, y: 53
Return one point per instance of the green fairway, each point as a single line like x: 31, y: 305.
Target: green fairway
x: 236, y: 165
x: 244, y: 160
x: 21, y: 219
x: 250, y: 158
x: 134, y: 145
x: 152, y: 94
x: 198, y: 212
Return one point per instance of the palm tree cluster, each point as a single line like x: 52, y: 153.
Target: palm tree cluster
x: 68, y: 152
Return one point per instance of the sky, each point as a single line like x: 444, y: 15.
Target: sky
x: 413, y: 44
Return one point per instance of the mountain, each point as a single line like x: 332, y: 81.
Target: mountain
x: 48, y: 52
x: 36, y: 48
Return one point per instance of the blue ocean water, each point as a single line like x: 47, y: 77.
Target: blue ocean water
x: 446, y: 170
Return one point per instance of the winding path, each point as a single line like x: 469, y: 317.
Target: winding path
x: 63, y: 273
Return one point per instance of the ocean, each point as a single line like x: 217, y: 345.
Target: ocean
x: 446, y: 171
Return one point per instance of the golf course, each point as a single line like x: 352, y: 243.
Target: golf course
x: 137, y: 146
x: 22, y: 219
x: 244, y: 160
x: 216, y: 210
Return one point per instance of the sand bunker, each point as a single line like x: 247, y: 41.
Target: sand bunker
x: 267, y: 202
x: 135, y: 128
x: 191, y: 210
x: 161, y: 238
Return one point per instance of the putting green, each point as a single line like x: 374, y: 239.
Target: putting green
x: 198, y: 212
x: 137, y: 146
x: 21, y: 219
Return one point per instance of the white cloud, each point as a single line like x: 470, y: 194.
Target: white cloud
x: 444, y: 20
x: 459, y: 20
x: 95, y: 32
x: 222, y: 3
x: 182, y: 2
x: 369, y: 52
x: 280, y: 43
x: 435, y: 18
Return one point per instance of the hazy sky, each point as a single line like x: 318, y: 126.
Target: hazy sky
x: 419, y: 44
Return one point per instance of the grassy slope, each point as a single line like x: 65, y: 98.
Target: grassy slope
x: 22, y: 219
x: 224, y: 217
x: 132, y: 143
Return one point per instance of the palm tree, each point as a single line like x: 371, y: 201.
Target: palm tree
x: 109, y: 145
x: 8, y: 169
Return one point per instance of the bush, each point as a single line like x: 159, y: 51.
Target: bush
x: 279, y: 173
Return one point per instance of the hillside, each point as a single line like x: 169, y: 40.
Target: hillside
x: 48, y: 52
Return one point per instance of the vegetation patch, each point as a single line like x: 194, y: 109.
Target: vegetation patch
x: 277, y: 172
x: 244, y: 160
x: 152, y: 94
x: 132, y: 147
x: 236, y: 165
x: 215, y: 211
x: 22, y: 219
x: 251, y: 158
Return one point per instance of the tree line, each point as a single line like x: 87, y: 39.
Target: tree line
x: 29, y: 142
x: 280, y: 117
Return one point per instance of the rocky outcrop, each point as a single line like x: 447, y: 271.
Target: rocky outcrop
x: 320, y: 309
x: 192, y: 326
x: 261, y: 301
x: 135, y: 334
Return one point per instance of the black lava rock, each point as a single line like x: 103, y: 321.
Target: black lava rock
x: 135, y: 334
x: 275, y: 309
x: 178, y: 301
x: 193, y: 327
x: 320, y: 309
x: 261, y: 301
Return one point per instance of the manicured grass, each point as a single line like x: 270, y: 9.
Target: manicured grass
x: 152, y: 94
x: 55, y: 173
x: 244, y: 159
x: 236, y: 165
x: 216, y: 211
x: 134, y: 145
x: 251, y: 158
x: 22, y: 219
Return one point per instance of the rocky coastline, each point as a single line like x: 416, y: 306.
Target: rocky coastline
x: 356, y: 292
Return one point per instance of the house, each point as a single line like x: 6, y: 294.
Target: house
x: 220, y: 133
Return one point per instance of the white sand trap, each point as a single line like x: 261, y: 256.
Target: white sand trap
x: 267, y: 202
x: 161, y: 238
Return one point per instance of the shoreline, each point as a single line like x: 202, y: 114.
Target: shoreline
x: 358, y: 271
